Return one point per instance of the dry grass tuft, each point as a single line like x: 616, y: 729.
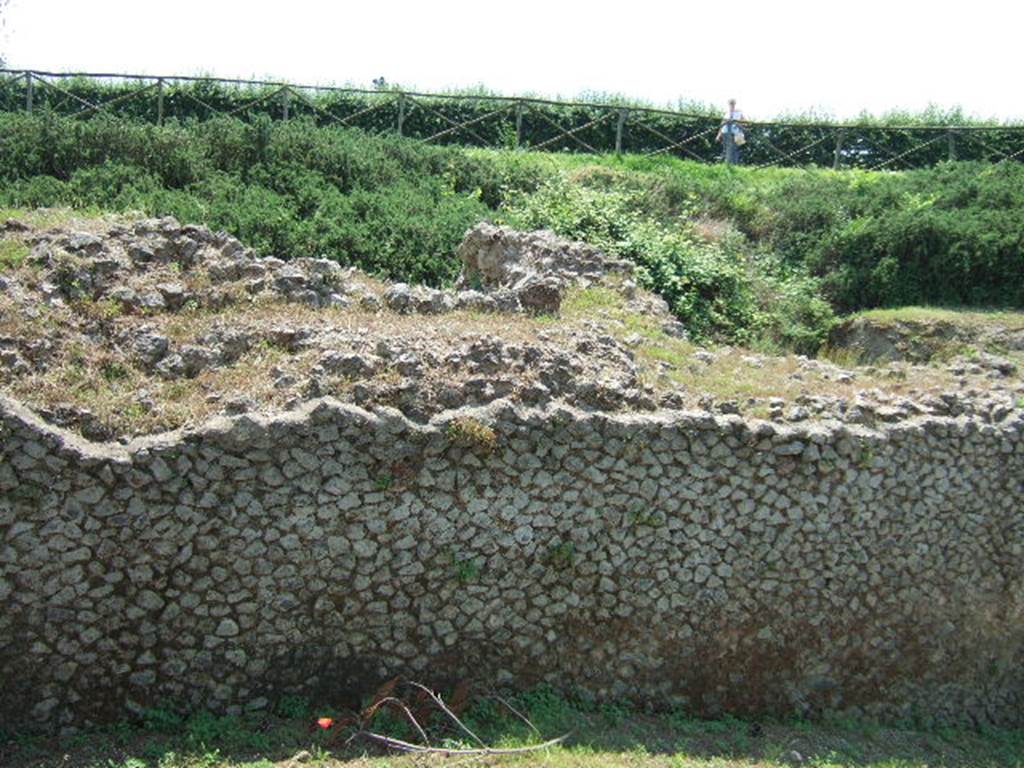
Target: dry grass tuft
x: 472, y: 433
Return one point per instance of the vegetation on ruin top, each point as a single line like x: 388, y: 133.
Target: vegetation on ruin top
x: 956, y: 316
x: 75, y: 355
x: 742, y: 255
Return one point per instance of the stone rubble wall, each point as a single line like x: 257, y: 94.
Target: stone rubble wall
x: 678, y: 558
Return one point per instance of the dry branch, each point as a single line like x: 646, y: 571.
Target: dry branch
x: 437, y: 700
x: 405, y: 746
x: 384, y: 697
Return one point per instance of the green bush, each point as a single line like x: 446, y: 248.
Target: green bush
x: 36, y: 192
x: 393, y: 207
x: 949, y: 235
x: 719, y: 290
x: 111, y: 185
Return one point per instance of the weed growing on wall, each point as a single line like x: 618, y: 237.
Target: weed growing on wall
x: 12, y: 254
x: 467, y: 432
x: 561, y: 555
x: 466, y: 570
x: 867, y: 457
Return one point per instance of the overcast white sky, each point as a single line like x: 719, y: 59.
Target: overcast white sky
x: 774, y: 57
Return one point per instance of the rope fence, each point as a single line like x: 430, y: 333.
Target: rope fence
x: 504, y: 122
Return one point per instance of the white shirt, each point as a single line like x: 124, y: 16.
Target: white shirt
x: 733, y: 115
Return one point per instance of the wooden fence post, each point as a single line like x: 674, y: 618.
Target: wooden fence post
x: 519, y: 124
x: 160, y: 101
x: 618, y: 130
x: 401, y: 112
x: 840, y: 137
x: 28, y: 92
x: 951, y: 140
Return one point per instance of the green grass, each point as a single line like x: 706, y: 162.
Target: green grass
x: 610, y: 734
x: 588, y: 301
x: 44, y: 218
x: 13, y: 251
x: 966, y: 317
x: 12, y: 254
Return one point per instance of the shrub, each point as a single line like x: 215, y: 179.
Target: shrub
x: 720, y: 289
x: 111, y: 185
x: 393, y: 207
x: 36, y: 192
x: 953, y: 234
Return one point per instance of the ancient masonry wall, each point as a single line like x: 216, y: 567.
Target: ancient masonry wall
x: 680, y: 558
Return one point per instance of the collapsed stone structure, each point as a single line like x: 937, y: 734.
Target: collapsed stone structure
x: 534, y: 267
x: 128, y: 292
x: 504, y: 270
x: 618, y: 547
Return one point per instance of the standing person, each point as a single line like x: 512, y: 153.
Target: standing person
x: 731, y: 133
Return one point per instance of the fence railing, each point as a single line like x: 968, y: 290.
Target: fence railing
x: 504, y: 122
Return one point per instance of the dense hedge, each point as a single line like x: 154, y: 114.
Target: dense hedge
x: 540, y: 123
x: 949, y: 235
x: 742, y: 255
x: 484, y: 120
x: 390, y: 206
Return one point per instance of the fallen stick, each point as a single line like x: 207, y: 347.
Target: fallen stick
x: 405, y: 746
